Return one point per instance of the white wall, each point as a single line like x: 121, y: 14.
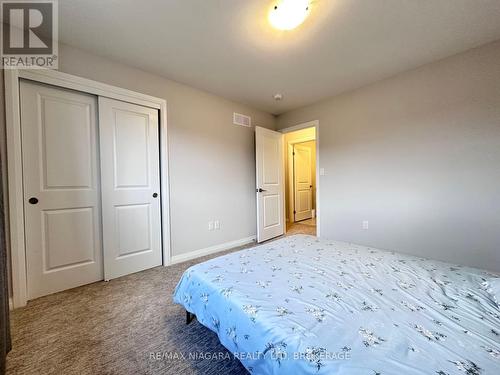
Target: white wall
x: 212, y: 162
x: 418, y: 155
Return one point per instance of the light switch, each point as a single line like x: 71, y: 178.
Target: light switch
x: 322, y: 171
x: 217, y: 224
x: 365, y: 224
x: 210, y: 225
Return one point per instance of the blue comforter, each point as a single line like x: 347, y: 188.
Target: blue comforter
x: 301, y: 305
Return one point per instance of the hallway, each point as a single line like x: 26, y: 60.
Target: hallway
x: 301, y: 227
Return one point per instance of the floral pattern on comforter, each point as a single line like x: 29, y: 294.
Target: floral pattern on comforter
x: 301, y: 305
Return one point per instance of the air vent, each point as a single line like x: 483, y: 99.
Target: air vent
x: 242, y: 120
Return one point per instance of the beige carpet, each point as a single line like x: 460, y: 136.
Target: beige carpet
x: 114, y: 328
x: 126, y: 326
x: 302, y: 227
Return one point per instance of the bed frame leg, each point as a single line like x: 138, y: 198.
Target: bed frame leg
x: 189, y: 317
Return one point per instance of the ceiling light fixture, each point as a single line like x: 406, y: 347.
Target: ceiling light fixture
x: 288, y: 14
x: 278, y: 97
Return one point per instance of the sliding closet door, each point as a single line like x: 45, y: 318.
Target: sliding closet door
x: 61, y: 188
x: 130, y: 170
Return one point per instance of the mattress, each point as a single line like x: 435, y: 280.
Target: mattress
x: 301, y: 305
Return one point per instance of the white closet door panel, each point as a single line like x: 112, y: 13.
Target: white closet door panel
x: 130, y: 169
x: 60, y: 170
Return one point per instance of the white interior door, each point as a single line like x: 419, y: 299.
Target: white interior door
x: 61, y: 188
x: 302, y: 171
x: 269, y: 176
x: 130, y: 167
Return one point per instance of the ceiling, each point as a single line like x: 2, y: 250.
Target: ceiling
x: 228, y: 48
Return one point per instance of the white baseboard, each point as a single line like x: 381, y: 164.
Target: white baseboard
x: 211, y: 250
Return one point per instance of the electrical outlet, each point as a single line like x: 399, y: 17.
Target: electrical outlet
x: 217, y: 224
x: 210, y: 225
x: 365, y: 224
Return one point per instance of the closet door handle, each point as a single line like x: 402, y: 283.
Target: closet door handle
x: 155, y: 195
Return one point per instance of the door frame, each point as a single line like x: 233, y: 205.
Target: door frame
x: 291, y: 171
x: 15, y: 212
x: 304, y: 125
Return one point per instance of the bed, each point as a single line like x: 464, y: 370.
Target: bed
x: 301, y: 305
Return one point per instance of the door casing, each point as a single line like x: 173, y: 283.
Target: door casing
x: 15, y: 216
x: 309, y: 124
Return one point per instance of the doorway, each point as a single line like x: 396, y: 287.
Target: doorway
x: 287, y: 205
x: 300, y: 181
